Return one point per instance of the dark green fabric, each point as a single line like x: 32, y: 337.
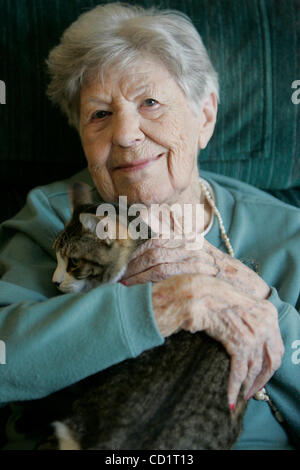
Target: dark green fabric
x: 291, y: 196
x: 254, y: 45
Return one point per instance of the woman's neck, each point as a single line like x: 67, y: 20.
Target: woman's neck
x: 191, y: 209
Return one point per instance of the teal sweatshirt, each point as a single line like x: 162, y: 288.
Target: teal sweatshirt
x: 53, y: 340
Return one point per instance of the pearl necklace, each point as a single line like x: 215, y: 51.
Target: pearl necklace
x: 212, y: 204
x: 261, y: 395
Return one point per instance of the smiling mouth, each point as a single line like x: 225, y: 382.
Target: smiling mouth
x: 137, y: 165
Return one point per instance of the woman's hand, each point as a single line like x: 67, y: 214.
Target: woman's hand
x: 246, y: 326
x: 222, y: 297
x: 159, y: 259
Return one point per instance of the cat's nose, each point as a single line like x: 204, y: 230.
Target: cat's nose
x: 57, y: 284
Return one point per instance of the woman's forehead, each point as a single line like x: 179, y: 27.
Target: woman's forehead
x: 146, y: 77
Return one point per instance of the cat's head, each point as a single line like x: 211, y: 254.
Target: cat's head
x: 84, y: 260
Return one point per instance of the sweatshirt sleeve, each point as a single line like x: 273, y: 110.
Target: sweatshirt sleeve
x: 53, y: 340
x: 284, y: 387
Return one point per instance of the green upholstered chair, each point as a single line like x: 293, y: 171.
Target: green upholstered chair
x: 254, y: 45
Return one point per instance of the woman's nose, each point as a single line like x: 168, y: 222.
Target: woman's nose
x: 126, y: 130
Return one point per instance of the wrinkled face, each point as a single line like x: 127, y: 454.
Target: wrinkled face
x: 139, y: 135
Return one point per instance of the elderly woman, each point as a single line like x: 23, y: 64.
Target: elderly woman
x: 141, y: 91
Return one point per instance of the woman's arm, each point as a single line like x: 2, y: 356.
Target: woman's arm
x: 222, y: 296
x: 159, y: 259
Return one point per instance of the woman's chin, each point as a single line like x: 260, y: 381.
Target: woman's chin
x: 149, y: 192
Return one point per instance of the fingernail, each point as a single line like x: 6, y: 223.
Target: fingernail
x: 232, y: 406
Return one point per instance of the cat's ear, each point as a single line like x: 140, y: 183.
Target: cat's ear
x: 79, y: 194
x: 89, y: 221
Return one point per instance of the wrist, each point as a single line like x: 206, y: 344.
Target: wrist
x: 165, y: 324
x: 170, y: 309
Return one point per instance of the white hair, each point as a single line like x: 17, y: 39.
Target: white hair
x: 118, y: 33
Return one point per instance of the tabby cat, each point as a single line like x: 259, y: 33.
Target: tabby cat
x: 171, y: 397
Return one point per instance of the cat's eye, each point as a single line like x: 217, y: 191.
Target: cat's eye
x: 74, y: 262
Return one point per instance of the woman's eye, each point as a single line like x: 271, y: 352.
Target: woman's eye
x: 100, y: 114
x: 149, y: 102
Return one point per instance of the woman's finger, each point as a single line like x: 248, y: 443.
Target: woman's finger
x: 271, y: 362
x: 238, y: 374
x: 256, y: 373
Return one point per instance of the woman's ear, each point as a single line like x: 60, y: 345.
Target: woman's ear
x: 208, y: 116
